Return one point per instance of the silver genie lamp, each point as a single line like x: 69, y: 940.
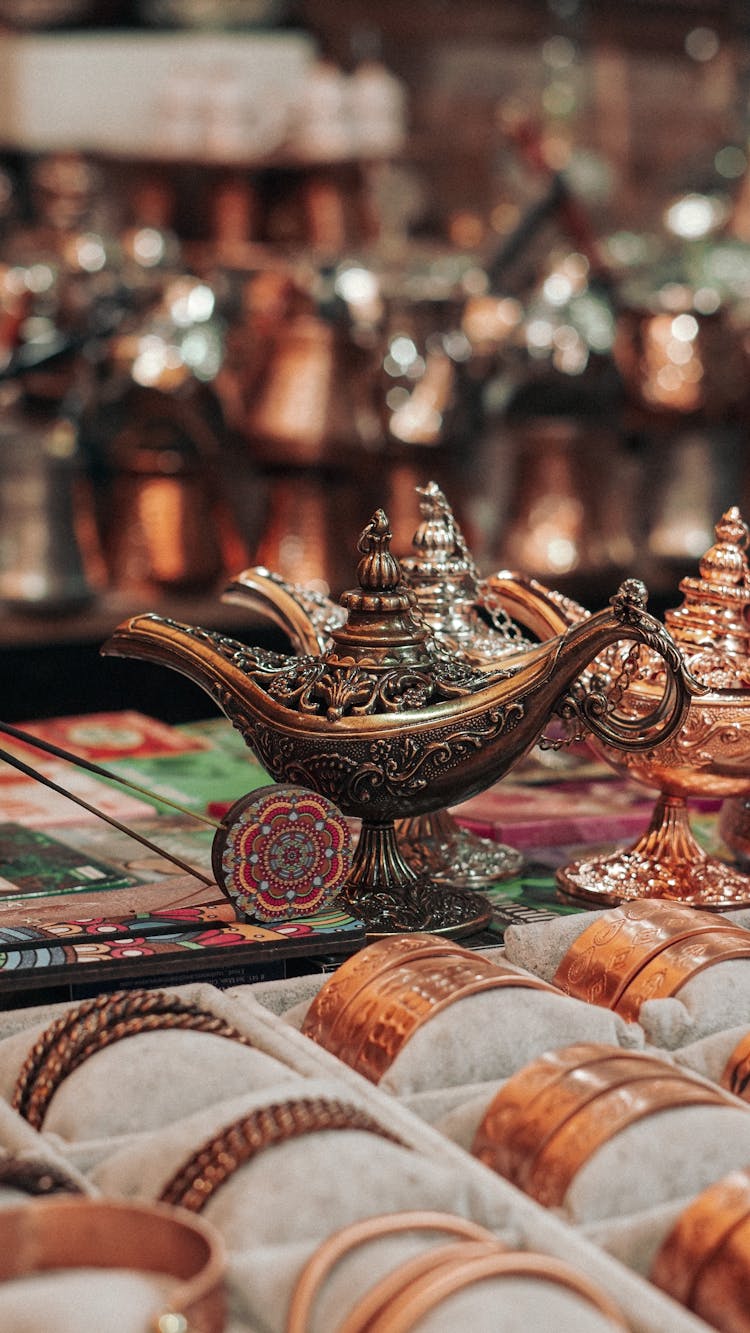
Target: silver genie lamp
x: 388, y: 723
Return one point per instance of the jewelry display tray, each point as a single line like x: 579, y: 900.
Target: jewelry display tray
x: 258, y: 1010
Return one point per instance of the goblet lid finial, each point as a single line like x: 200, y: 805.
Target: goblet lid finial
x: 712, y: 626
x: 726, y: 562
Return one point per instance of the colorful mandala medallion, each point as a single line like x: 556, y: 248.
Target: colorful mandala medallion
x: 283, y: 852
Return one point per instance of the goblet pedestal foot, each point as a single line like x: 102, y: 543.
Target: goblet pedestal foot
x: 391, y: 898
x: 667, y: 862
x: 437, y: 846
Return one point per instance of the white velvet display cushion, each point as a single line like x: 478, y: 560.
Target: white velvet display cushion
x: 82, y: 1301
x: 436, y: 1105
x: 670, y: 1154
x: 492, y: 1034
x: 540, y: 946
x: 282, y: 997
x: 709, y: 1056
x: 635, y: 1239
x: 303, y: 1188
x: 20, y: 1141
x: 716, y: 998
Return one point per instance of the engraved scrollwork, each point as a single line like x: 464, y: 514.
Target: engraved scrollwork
x: 417, y: 906
x: 707, y: 738
x: 315, y: 686
x: 583, y: 706
x: 377, y: 772
x: 323, y: 614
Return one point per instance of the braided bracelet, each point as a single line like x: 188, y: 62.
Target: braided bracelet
x: 216, y: 1160
x: 34, y: 1176
x: 88, y: 1028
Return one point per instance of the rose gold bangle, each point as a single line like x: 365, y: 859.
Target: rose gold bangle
x: 268, y: 1126
x: 698, y: 1234
x: 337, y: 1246
x: 89, y: 1027
x: 394, y: 1284
x: 568, y: 1148
x: 327, y: 1008
x: 735, y: 1076
x: 677, y: 964
x: 386, y: 1013
x: 606, y: 956
x: 518, y: 1095
x: 514, y: 1156
x: 421, y: 1297
x: 54, y: 1234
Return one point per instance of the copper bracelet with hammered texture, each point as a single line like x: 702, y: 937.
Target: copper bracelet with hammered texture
x: 335, y: 1247
x: 720, y: 1290
x: 698, y: 1234
x: 568, y: 1148
x: 514, y: 1155
x: 677, y: 964
x: 518, y: 1094
x: 608, y: 953
x: 89, y: 1027
x: 219, y: 1157
x: 386, y: 1013
x: 327, y: 1008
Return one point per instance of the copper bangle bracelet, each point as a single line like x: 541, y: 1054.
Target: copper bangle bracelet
x: 551, y: 1116
x: 518, y: 1095
x: 515, y: 1156
x: 606, y: 960
x: 735, y: 1076
x: 357, y: 971
x: 268, y: 1126
x: 608, y: 953
x: 56, y: 1234
x: 425, y: 1293
x: 690, y: 1247
x: 89, y: 1027
x: 678, y: 963
x: 720, y: 1290
x: 568, y: 1148
x: 386, y: 1013
x: 342, y: 1242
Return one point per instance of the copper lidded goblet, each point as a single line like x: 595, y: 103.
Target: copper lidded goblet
x: 709, y: 754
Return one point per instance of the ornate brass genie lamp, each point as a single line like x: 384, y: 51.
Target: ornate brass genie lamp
x: 388, y: 723
x: 442, y: 573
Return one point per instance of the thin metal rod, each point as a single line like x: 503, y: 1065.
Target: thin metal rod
x: 7, y: 729
x: 108, y: 819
